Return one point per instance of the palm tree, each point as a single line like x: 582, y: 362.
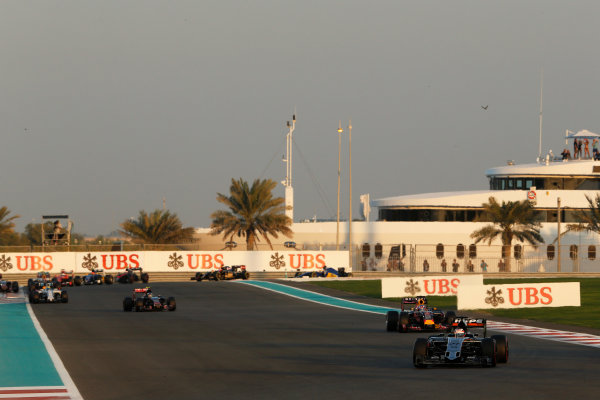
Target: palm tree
x: 6, y: 224
x: 589, y: 220
x: 158, y: 227
x: 510, y: 220
x: 253, y: 212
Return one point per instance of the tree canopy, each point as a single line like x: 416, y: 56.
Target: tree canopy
x: 510, y: 220
x: 158, y: 227
x: 253, y: 213
x: 7, y: 233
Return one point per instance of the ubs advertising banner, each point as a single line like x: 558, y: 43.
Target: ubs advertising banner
x: 443, y: 285
x: 164, y: 261
x: 522, y: 295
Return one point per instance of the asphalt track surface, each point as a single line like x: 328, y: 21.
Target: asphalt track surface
x: 229, y: 340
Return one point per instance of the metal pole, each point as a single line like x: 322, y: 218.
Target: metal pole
x: 337, y: 236
x: 558, y: 240
x: 541, y: 111
x: 350, y: 191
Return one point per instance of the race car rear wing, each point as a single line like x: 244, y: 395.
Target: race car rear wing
x: 471, y: 323
x: 420, y: 300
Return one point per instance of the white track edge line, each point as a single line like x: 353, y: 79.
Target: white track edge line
x: 58, y: 364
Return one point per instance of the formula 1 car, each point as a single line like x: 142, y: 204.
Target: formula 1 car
x: 144, y: 300
x: 133, y: 275
x: 95, y: 277
x: 224, y: 273
x: 48, y: 293
x: 42, y: 279
x: 8, y: 286
x: 460, y: 348
x: 326, y: 272
x: 419, y: 318
x: 65, y: 278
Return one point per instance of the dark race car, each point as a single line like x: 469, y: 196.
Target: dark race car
x: 145, y: 300
x: 419, y: 318
x: 224, y: 273
x: 133, y: 275
x: 47, y: 292
x: 40, y: 280
x: 8, y: 286
x: 95, y: 277
x: 460, y: 347
x: 326, y: 272
x: 65, y: 278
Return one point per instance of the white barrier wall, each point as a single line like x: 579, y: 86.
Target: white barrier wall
x: 522, y: 295
x: 442, y: 285
x: 164, y: 261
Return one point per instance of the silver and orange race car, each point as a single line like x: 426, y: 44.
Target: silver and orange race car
x: 419, y: 318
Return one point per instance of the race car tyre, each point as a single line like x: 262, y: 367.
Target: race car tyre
x: 131, y: 278
x: 420, y: 353
x: 450, y: 315
x: 145, y: 277
x: 29, y: 282
x: 127, y: 304
x: 77, y: 281
x: 245, y: 275
x: 488, y: 350
x: 35, y: 298
x: 217, y: 276
x: 403, y: 323
x: 108, y: 279
x: 64, y: 297
x: 139, y: 304
x: 501, y: 348
x: 198, y: 276
x: 391, y: 321
x: 15, y: 286
x: 313, y: 274
x: 171, y: 304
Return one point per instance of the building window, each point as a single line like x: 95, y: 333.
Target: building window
x: 378, y: 250
x: 573, y: 252
x: 518, y: 251
x: 591, y: 252
x: 439, y: 251
x: 550, y: 252
x: 472, y: 251
x: 460, y: 251
x: 366, y: 250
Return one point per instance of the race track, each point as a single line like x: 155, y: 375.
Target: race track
x: 230, y: 340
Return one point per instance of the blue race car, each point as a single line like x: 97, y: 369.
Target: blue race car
x: 95, y: 277
x: 326, y: 272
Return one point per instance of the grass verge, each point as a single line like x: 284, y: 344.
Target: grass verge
x: 587, y: 315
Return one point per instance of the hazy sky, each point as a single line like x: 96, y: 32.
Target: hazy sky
x: 106, y: 107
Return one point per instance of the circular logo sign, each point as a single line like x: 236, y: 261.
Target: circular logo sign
x: 531, y: 195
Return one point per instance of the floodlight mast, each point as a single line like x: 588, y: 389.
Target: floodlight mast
x: 289, y: 190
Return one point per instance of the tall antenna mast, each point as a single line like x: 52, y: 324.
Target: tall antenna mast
x: 541, y: 111
x: 289, y: 190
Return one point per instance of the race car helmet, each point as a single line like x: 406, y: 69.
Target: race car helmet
x: 421, y: 301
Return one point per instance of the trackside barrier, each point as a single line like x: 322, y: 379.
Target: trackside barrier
x: 176, y: 261
x: 523, y: 295
x: 431, y: 285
